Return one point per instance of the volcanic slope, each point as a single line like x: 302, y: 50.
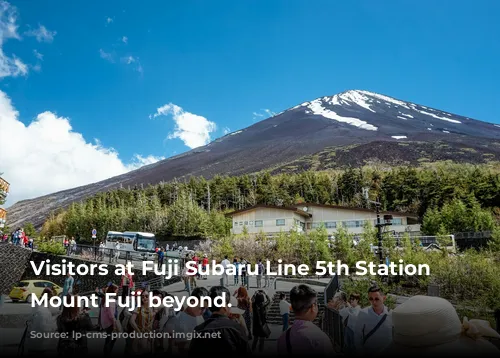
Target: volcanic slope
x: 355, y: 119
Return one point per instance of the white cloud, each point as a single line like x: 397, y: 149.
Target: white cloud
x: 42, y: 34
x: 54, y: 157
x: 38, y: 55
x: 140, y: 161
x: 192, y: 129
x: 125, y: 39
x: 128, y: 59
x: 109, y: 20
x: 9, y: 65
x: 226, y: 130
x: 264, y: 113
x: 106, y: 55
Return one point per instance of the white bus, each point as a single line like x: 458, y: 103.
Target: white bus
x: 141, y: 244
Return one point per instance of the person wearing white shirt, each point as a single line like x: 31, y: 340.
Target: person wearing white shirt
x: 284, y: 311
x: 225, y: 263
x: 373, y: 329
x: 349, y: 315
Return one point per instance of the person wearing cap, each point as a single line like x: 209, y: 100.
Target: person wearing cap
x: 227, y: 336
x: 425, y: 325
x: 184, y: 322
x: 373, y: 329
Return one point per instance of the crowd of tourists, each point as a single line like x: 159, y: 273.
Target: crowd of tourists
x: 17, y: 237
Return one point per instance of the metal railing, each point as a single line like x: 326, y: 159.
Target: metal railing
x: 332, y: 287
x: 332, y: 321
x: 334, y: 328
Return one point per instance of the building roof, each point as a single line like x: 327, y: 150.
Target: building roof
x: 290, y: 208
x: 399, y: 213
x: 296, y: 208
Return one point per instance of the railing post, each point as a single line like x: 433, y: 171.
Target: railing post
x: 497, y: 319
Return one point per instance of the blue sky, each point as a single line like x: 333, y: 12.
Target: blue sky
x: 108, y: 66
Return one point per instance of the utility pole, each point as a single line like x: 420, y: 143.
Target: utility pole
x: 379, y: 225
x: 379, y: 233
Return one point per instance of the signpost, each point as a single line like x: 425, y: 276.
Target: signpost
x: 94, y: 236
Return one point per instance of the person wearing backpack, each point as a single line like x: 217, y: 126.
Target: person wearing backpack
x: 373, y: 329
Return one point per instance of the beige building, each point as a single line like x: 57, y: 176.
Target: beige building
x: 305, y: 217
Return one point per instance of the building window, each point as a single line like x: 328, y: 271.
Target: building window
x: 250, y: 223
x: 331, y: 225
x: 397, y: 221
x: 280, y: 222
x: 241, y: 223
x: 246, y: 223
x: 351, y: 223
x: 258, y: 223
x: 235, y: 224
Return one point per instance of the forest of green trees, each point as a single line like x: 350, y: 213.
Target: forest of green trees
x: 448, y: 197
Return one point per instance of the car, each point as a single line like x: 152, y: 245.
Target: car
x: 23, y: 289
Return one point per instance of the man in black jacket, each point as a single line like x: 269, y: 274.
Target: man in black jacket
x: 219, y: 333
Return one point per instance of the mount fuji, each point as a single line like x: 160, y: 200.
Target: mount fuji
x: 351, y: 128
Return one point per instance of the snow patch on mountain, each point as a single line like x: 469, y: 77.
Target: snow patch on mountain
x: 406, y: 115
x: 318, y: 109
x: 438, y: 117
x: 402, y: 118
x: 385, y: 99
x: 399, y: 137
x: 358, y: 98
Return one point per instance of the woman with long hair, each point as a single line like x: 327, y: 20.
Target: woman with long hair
x: 73, y: 320
x: 245, y: 304
x: 260, y: 329
x: 142, y: 322
x: 108, y: 319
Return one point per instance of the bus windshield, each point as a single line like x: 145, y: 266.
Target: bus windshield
x: 146, y: 243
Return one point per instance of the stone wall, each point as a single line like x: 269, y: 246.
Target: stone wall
x: 15, y: 266
x: 13, y: 261
x: 86, y: 283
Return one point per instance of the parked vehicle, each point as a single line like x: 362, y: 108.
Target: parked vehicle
x: 140, y: 245
x: 22, y: 290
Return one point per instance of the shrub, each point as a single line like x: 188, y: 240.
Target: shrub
x: 51, y: 247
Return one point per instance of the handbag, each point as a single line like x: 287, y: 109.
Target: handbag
x: 266, y: 330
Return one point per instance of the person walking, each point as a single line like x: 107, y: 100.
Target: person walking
x: 67, y: 287
x: 284, y: 311
x: 236, y: 274
x: 225, y: 263
x: 244, y: 277
x: 373, y: 330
